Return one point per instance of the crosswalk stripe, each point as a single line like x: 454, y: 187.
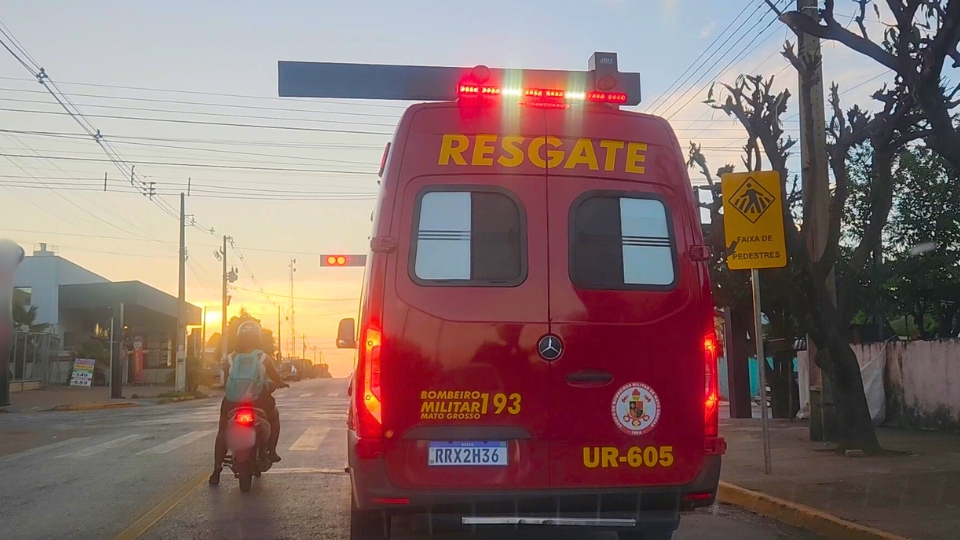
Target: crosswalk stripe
x: 93, y: 450
x: 44, y: 448
x: 308, y: 394
x: 310, y: 440
x: 333, y: 394
x: 173, y: 444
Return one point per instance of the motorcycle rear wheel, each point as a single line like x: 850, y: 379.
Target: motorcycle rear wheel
x: 245, y: 473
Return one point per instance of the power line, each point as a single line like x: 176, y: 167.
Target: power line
x: 210, y: 104
x: 203, y: 194
x: 127, y: 222
x: 229, y: 142
x: 203, y: 123
x: 214, y: 94
x: 307, y: 298
x: 673, y: 85
x: 666, y: 105
x: 199, y: 165
x: 213, y: 114
x: 216, y: 159
x: 61, y: 98
x: 731, y: 62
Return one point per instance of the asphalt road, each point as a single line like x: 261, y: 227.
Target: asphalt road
x: 141, y: 473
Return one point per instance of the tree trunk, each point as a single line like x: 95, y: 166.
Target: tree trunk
x: 856, y: 426
x: 834, y: 355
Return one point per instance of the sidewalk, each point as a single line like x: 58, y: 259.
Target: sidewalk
x: 916, y: 495
x: 60, y: 396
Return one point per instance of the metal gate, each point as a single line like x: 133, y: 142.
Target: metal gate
x: 34, y: 357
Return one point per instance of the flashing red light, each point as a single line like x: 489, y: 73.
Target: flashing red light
x: 477, y: 90
x: 544, y: 93
x: 245, y: 417
x: 606, y: 97
x: 542, y: 97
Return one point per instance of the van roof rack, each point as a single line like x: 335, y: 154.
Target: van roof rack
x: 438, y: 83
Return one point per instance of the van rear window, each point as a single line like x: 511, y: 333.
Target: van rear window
x: 621, y: 241
x: 468, y: 236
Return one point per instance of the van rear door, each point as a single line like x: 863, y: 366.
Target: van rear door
x: 465, y: 393
x: 625, y: 302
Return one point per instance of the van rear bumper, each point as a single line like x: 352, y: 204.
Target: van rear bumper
x: 372, y: 490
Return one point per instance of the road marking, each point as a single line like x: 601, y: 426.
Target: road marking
x: 142, y: 525
x: 310, y: 440
x: 173, y: 444
x: 308, y: 394
x: 44, y: 448
x: 333, y: 394
x: 92, y: 450
x: 305, y: 470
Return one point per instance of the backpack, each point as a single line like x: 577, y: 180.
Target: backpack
x: 247, y: 377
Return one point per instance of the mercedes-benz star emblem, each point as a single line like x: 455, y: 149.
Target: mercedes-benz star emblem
x: 550, y: 347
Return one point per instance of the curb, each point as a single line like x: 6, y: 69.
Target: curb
x: 164, y: 401
x: 94, y: 406
x: 798, y: 515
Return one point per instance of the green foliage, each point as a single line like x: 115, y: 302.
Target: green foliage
x: 94, y: 350
x: 922, y: 289
x: 268, y: 344
x: 25, y: 318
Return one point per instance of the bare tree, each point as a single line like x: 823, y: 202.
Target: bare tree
x: 925, y: 34
x: 753, y: 102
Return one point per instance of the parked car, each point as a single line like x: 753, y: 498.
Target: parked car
x: 289, y: 371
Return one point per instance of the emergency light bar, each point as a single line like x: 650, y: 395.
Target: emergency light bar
x: 603, y: 83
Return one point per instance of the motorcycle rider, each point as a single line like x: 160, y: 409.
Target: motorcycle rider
x: 254, y: 372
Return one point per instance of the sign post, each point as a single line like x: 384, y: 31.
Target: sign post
x: 753, y: 228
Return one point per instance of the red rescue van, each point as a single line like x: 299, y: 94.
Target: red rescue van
x: 536, y: 339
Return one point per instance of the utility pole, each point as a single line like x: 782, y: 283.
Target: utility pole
x: 223, y: 304
x: 279, y: 342
x: 203, y: 334
x: 816, y: 194
x: 180, y: 343
x: 304, y: 339
x: 293, y: 323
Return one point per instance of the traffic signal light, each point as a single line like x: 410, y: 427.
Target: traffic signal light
x: 343, y: 260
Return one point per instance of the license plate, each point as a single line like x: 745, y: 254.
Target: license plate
x: 467, y: 454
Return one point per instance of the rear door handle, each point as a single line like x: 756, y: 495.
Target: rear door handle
x: 589, y: 377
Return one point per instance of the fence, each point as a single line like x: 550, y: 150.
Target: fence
x: 35, y: 358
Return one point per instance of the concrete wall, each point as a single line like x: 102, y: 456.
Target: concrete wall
x: 44, y: 272
x: 921, y: 382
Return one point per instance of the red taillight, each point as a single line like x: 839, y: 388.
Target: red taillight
x: 370, y: 410
x: 245, y: 417
x: 711, y: 392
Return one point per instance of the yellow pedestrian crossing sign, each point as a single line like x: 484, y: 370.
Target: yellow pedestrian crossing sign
x: 753, y: 220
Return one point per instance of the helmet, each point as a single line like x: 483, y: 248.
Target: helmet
x: 249, y: 328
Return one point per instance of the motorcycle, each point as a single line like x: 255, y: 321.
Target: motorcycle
x: 247, y: 436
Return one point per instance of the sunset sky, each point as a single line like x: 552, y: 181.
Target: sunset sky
x: 187, y: 91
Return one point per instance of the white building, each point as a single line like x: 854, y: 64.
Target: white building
x: 38, y: 281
